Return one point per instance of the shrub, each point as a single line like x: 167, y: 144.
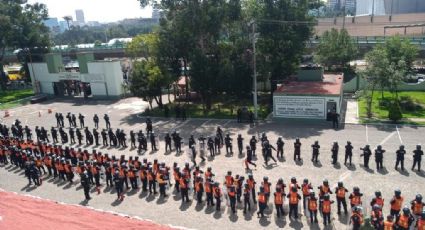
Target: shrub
x: 394, y: 112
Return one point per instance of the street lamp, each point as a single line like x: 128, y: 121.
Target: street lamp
x: 254, y: 40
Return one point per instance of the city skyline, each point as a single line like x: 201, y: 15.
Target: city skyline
x: 96, y: 10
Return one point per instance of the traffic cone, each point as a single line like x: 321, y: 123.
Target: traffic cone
x: 49, y: 111
x: 6, y: 113
x: 39, y: 114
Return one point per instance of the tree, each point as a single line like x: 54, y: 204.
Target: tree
x: 394, y: 112
x: 68, y: 19
x: 22, y: 28
x: 336, y: 48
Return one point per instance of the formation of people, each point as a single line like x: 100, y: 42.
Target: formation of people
x: 94, y: 169
x: 210, y: 144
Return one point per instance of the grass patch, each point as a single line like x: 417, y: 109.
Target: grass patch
x: 219, y: 110
x: 380, y: 110
x: 13, y: 95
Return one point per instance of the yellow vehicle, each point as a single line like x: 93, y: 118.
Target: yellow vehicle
x: 13, y: 73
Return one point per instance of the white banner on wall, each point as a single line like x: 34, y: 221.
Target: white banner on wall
x: 299, y: 107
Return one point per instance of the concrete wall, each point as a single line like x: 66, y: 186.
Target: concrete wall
x: 323, y: 107
x: 351, y: 86
x: 111, y: 71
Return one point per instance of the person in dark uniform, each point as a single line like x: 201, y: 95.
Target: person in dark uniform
x: 340, y: 192
x: 400, y: 157
x: 89, y: 136
x: 253, y: 145
x: 405, y: 220
x: 348, y: 152
x: 69, y: 117
x: 81, y: 119
x: 316, y: 153
x: 107, y: 122
x: 96, y: 136
x: 417, y: 157
x: 132, y: 139
x: 356, y: 218
x: 210, y: 144
x: 217, y: 144
x: 54, y: 133
x: 58, y: 121
x: 228, y: 143
x: 44, y: 134
x: 153, y: 141
x: 72, y: 135
x: 335, y: 150
x: 280, y: 144
x: 167, y: 140
x: 96, y: 121
x: 335, y: 119
x: 118, y: 185
x: 366, y: 155
x: 79, y: 136
x: 86, y: 185
x: 297, y: 150
x: 74, y: 120
x: 104, y: 137
x: 239, y: 115
x: 240, y: 143
x: 149, y: 127
x: 178, y: 143
x: 379, y: 157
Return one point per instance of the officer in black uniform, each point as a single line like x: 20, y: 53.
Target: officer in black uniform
x: 74, y: 120
x: 71, y: 135
x: 149, y: 127
x: 417, y: 157
x: 335, y: 150
x: 228, y: 143
x: 315, y: 148
x: 279, y: 145
x: 81, y: 119
x: 153, y: 141
x: 348, y: 152
x: 89, y: 136
x: 104, y: 137
x: 96, y: 121
x: 96, y: 136
x: 167, y: 140
x: 191, y: 141
x: 240, y: 143
x: 86, y: 185
x: 79, y: 136
x: 133, y: 139
x: 379, y: 157
x: 400, y: 157
x: 297, y: 150
x: 69, y: 117
x: 54, y: 134
x: 253, y: 145
x: 107, y: 122
x: 28, y: 133
x: 366, y: 155
x: 210, y: 144
x: 178, y: 142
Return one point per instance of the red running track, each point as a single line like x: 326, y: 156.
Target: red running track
x: 23, y: 212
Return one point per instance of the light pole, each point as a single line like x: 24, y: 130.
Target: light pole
x: 254, y: 40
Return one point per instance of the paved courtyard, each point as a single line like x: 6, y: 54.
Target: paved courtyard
x: 124, y: 115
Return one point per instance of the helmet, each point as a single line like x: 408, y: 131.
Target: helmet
x: 406, y: 211
x: 293, y: 180
x: 418, y: 198
x: 280, y: 181
x: 265, y: 178
x: 229, y: 173
x: 348, y: 142
x: 401, y: 146
x: 378, y: 193
x: 367, y: 146
x: 305, y: 180
x: 312, y: 194
x: 379, y: 147
x: 247, y: 147
x: 356, y: 189
x: 316, y: 142
x: 325, y: 182
x: 418, y: 147
x: 397, y: 192
x: 340, y: 184
x: 326, y: 196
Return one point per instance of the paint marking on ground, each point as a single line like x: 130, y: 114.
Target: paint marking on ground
x: 399, y: 136
x: 342, y: 177
x: 387, y: 138
x: 367, y: 135
x: 227, y: 122
x: 181, y: 124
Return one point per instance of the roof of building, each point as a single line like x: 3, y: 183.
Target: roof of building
x: 331, y: 85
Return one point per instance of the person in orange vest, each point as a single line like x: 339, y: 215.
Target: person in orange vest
x: 306, y: 188
x: 278, y: 202
x: 377, y: 219
x: 162, y: 183
x: 417, y: 205
x: 355, y: 197
x: 68, y: 171
x: 144, y: 178
x: 184, y: 188
x: 340, y: 197
x: 199, y: 190
x: 420, y: 223
x: 217, y: 195
x: 246, y: 198
x: 266, y: 187
x: 251, y: 182
x: 388, y: 223
x: 312, y: 207
x: 396, y: 203
x: 95, y: 170
x: 262, y: 203
x: 294, y: 198
x: 108, y: 173
x: 326, y: 209
x: 323, y: 190
x: 377, y: 200
x: 152, y: 181
x: 231, y: 193
x: 404, y: 220
x: 176, y: 175
x: 228, y: 179
x: 208, y: 187
x: 356, y: 218
x: 132, y: 175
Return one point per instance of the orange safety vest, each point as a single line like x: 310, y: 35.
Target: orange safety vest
x: 355, y: 200
x: 231, y: 193
x: 251, y: 183
x: 207, y: 174
x: 67, y: 168
x: 388, y: 225
x: 293, y: 198
x: 306, y: 189
x: 261, y: 198
x: 266, y: 187
x: 421, y: 224
x: 59, y: 167
x: 207, y: 187
x: 229, y: 180
x: 142, y: 174
x: 176, y: 176
x: 312, y: 204
x: 78, y: 170
x: 278, y: 198
x: 198, y: 186
x: 121, y: 173
x: 326, y: 206
x: 379, y: 201
x: 131, y: 174
x: 403, y: 221
x: 324, y: 189
x: 150, y: 176
x: 182, y: 183
x: 217, y: 192
x: 94, y: 170
x: 397, y: 204
x: 417, y: 208
x: 340, y: 193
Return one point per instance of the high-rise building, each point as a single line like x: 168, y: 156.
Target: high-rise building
x: 404, y: 6
x: 350, y: 7
x: 79, y: 15
x: 369, y: 7
x: 334, y: 4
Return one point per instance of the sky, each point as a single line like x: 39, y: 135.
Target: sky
x: 96, y: 10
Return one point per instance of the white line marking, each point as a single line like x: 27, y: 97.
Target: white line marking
x: 387, y: 138
x: 342, y: 177
x: 399, y: 136
x: 367, y: 135
x: 224, y: 125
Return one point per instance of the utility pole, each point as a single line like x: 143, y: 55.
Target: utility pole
x: 391, y: 13
x: 373, y: 11
x: 343, y: 15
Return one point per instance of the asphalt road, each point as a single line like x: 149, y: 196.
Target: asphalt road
x: 170, y: 211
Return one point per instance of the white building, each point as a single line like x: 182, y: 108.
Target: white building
x: 369, y: 7
x: 79, y: 15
